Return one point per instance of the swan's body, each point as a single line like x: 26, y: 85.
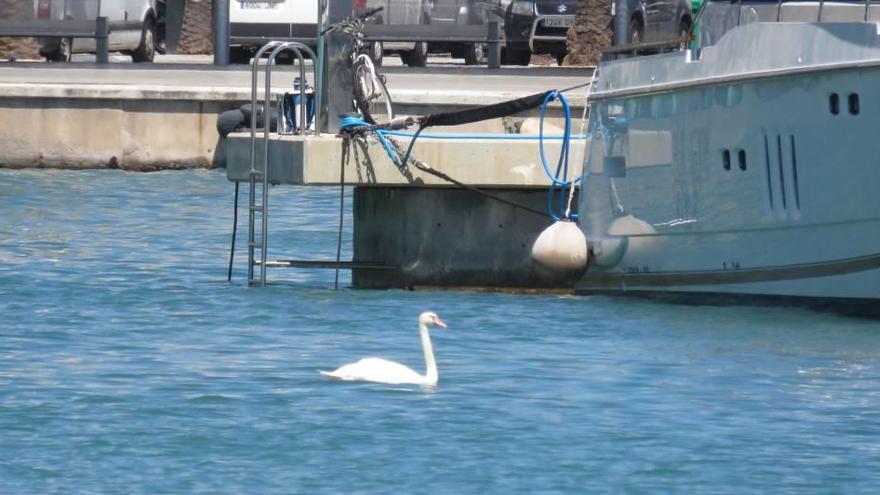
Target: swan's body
x: 383, y: 371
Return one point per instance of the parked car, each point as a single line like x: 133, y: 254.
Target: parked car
x: 657, y: 20
x: 136, y: 27
x: 537, y: 26
x: 409, y: 12
x: 461, y: 13
x: 253, y: 23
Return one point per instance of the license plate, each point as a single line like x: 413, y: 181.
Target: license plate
x: 258, y: 4
x: 559, y: 22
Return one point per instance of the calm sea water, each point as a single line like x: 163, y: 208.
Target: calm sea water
x: 129, y: 365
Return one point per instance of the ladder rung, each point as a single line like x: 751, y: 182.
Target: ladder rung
x: 255, y: 244
x: 257, y: 208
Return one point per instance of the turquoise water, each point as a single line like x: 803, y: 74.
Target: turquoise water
x: 129, y: 365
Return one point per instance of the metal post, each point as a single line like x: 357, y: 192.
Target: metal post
x: 494, y: 40
x: 220, y: 13
x: 621, y: 22
x: 102, y: 50
x: 336, y: 74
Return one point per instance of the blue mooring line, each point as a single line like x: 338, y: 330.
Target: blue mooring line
x: 474, y: 136
x: 561, y: 166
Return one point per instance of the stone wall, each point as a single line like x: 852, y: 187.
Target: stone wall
x: 17, y: 48
x: 197, y: 34
x: 591, y: 33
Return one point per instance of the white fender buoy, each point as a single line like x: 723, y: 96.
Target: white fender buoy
x: 630, y: 225
x: 562, y: 246
x: 609, y: 249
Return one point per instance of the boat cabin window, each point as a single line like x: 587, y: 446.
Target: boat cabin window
x: 854, y: 103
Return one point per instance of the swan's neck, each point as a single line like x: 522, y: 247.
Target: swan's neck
x: 431, y: 375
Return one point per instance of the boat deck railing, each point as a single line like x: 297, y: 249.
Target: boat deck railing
x: 716, y: 17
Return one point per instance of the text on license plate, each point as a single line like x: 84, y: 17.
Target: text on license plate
x: 561, y: 21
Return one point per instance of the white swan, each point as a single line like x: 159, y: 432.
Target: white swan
x: 383, y: 371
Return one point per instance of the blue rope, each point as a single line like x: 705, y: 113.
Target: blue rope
x: 559, y: 178
x: 348, y: 122
x: 513, y: 137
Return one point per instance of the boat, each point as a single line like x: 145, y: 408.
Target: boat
x: 746, y: 165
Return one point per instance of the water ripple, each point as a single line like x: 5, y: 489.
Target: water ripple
x: 129, y: 365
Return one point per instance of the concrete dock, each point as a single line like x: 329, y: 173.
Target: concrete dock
x: 150, y: 117
x: 419, y: 228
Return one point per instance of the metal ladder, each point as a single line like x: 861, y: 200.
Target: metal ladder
x: 258, y: 239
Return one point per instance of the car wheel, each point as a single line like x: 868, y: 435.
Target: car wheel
x: 418, y: 56
x: 560, y: 58
x: 473, y: 54
x: 239, y: 55
x: 377, y: 52
x: 636, y: 31
x: 683, y: 32
x: 61, y: 53
x: 516, y: 57
x: 146, y: 50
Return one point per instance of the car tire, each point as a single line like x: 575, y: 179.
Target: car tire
x: 62, y: 53
x: 560, y: 58
x: 474, y: 54
x: 684, y: 30
x: 239, y: 55
x: 516, y: 57
x: 417, y: 57
x: 146, y: 50
x: 636, y: 31
x: 376, y: 53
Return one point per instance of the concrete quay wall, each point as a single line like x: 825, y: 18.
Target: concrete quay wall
x: 150, y: 127
x: 132, y: 128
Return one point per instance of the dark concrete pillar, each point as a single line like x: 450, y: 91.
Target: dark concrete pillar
x: 449, y: 237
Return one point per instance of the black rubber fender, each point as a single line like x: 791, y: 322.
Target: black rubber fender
x: 230, y: 121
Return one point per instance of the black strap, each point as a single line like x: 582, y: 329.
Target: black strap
x: 484, y: 113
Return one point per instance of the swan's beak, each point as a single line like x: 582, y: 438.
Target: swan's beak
x: 439, y: 323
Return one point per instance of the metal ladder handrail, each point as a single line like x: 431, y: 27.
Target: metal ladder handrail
x: 253, y: 171
x: 276, y: 47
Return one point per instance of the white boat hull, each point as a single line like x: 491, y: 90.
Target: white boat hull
x: 764, y: 185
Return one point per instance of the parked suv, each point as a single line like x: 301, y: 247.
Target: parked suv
x: 657, y: 20
x: 136, y: 27
x: 537, y: 26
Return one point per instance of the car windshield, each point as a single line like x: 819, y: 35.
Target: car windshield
x: 716, y: 17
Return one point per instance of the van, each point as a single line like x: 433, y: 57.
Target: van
x: 253, y: 23
x: 462, y: 13
x: 136, y: 27
x: 397, y: 12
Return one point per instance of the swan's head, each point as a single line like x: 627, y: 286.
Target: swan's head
x: 429, y: 318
